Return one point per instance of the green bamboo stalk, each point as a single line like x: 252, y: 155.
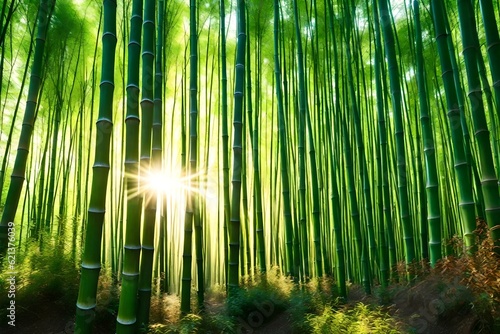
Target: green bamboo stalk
x: 192, y: 201
x: 291, y: 125
x: 398, y: 131
x: 457, y: 75
x: 199, y: 237
x: 354, y: 113
x: 225, y: 135
x: 461, y: 171
x: 386, y: 225
x: 16, y: 109
x: 493, y: 46
x: 490, y: 103
x: 283, y: 147
x: 18, y: 173
x: 126, y: 319
x: 147, y: 108
x: 489, y: 181
x: 253, y: 128
x: 91, y: 257
x: 335, y: 199
x: 54, y: 148
x: 246, y: 258
x: 91, y: 127
x: 318, y: 260
x: 359, y: 241
x: 316, y: 209
x: 432, y: 181
x: 234, y: 228
x: 301, y: 115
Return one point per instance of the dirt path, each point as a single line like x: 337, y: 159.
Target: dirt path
x: 279, y: 325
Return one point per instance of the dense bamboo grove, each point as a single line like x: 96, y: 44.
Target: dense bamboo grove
x: 180, y: 145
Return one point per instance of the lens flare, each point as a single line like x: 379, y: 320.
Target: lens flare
x: 175, y: 186
x: 163, y: 183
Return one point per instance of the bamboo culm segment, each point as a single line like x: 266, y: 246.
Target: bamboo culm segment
x: 489, y: 181
x: 398, y: 131
x: 234, y: 227
x: 147, y: 107
x: 126, y: 319
x: 461, y: 171
x: 432, y: 185
x: 91, y: 263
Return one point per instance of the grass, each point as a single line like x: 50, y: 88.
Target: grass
x: 361, y: 318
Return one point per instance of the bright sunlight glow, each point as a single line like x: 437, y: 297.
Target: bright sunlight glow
x: 164, y: 183
x: 175, y: 186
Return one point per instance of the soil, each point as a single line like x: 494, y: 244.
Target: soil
x: 430, y: 306
x: 279, y: 325
x: 433, y: 307
x: 50, y: 318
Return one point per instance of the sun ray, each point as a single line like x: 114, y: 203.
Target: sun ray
x: 171, y: 184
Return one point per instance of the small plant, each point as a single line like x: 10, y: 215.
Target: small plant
x: 383, y: 295
x: 164, y: 309
x: 269, y: 291
x: 360, y: 319
x: 218, y: 323
x: 311, y: 298
x: 190, y: 324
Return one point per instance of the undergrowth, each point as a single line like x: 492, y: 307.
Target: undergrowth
x: 47, y: 282
x: 41, y: 276
x: 479, y: 272
x: 361, y: 318
x: 467, y: 283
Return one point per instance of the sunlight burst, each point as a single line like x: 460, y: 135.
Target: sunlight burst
x: 175, y: 186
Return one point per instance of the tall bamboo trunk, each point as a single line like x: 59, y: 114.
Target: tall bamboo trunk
x: 234, y: 228
x: 91, y: 263
x: 18, y: 173
x: 461, y: 171
x: 394, y: 77
x: 126, y: 319
x: 147, y: 108
x: 489, y: 181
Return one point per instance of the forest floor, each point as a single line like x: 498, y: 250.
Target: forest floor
x: 427, y: 307
x: 461, y: 295
x: 430, y: 306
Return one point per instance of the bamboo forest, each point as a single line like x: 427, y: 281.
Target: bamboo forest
x: 249, y: 166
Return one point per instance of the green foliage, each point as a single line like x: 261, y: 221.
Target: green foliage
x: 271, y: 291
x: 41, y: 277
x: 311, y: 299
x: 383, y: 295
x: 360, y: 319
x: 195, y: 323
x: 188, y: 324
x: 218, y: 323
